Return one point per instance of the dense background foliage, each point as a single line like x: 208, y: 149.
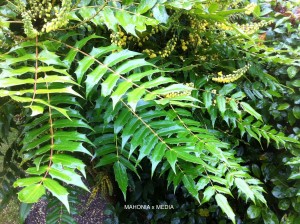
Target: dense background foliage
x: 193, y: 104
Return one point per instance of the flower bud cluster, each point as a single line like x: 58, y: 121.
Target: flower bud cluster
x: 198, y: 25
x: 251, y: 28
x: 231, y: 77
x: 181, y: 93
x: 60, y: 17
x: 152, y: 32
x: 250, y: 8
x: 223, y: 26
x: 119, y: 38
x: 248, y: 28
x: 150, y: 52
x: 195, y: 39
x: 29, y: 30
x: 183, y: 45
x: 171, y: 44
x: 40, y: 9
x: 42, y: 16
x: 203, y: 212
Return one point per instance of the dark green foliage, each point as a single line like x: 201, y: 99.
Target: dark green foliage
x: 190, y: 104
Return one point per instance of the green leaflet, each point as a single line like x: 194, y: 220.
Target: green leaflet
x: 37, y: 171
x: 70, y: 146
x: 27, y: 181
x: 234, y: 106
x: 69, y: 161
x: 172, y: 159
x: 71, y: 136
x: 208, y: 193
x: 244, y: 187
x: 121, y: 177
x: 20, y: 71
x: 126, y: 21
x: 24, y: 211
x: 8, y: 82
x: 221, y: 102
x: 58, y: 191
x: 109, y: 19
x: 36, y: 110
x: 14, y: 94
x: 89, y: 60
x: 189, y: 184
x: 135, y: 96
x: 160, y: 13
x: 107, y: 159
x: 169, y: 89
x: 62, y: 123
x: 203, y: 181
x: 124, y: 86
x: 207, y: 99
x: 188, y: 157
x: 224, y: 205
x: 110, y: 82
x: 251, y: 111
x: 72, y: 53
x: 145, y: 5
x: 31, y: 193
x: 26, y: 99
x: 157, y: 155
x: 50, y: 58
x: 66, y: 175
x: 146, y: 149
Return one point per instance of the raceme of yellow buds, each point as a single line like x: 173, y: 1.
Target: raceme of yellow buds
x: 198, y: 25
x: 150, y: 53
x: 180, y: 93
x: 183, y: 45
x: 248, y: 28
x: 231, y: 77
x: 250, y: 8
x: 251, y: 28
x: 171, y: 44
x: 119, y: 38
x: 52, y: 17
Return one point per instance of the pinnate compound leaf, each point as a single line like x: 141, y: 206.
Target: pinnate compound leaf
x: 224, y: 205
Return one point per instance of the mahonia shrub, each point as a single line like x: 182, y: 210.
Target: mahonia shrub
x: 157, y: 102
